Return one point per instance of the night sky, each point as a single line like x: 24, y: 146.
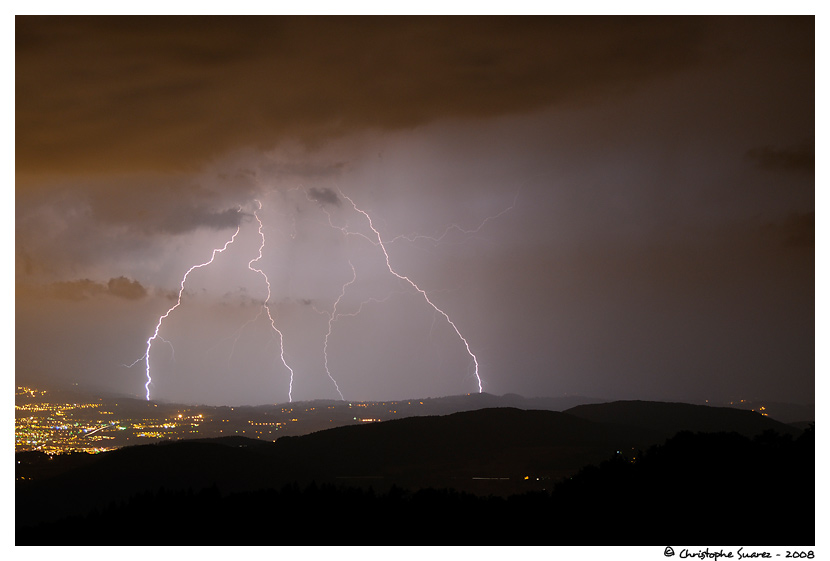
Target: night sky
x: 612, y: 207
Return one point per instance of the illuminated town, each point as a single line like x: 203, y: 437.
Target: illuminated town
x: 49, y: 422
x: 59, y: 422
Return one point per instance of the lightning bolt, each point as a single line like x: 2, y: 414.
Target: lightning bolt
x: 239, y: 333
x: 155, y: 334
x: 451, y: 227
x: 267, y: 298
x: 415, y: 286
x: 332, y: 317
x: 172, y: 349
x: 376, y: 239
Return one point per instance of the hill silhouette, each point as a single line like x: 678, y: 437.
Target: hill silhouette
x: 483, y: 451
x: 485, y: 456
x: 669, y: 418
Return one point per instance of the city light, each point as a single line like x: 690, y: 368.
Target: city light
x: 56, y: 426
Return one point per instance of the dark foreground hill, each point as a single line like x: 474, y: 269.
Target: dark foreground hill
x: 670, y: 418
x: 486, y: 476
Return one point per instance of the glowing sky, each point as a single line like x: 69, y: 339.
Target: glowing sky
x: 626, y: 205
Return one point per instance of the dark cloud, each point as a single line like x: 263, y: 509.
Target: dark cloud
x: 83, y: 289
x: 187, y: 219
x: 324, y: 196
x: 159, y: 205
x: 632, y: 227
x: 801, y: 158
x: 122, y: 93
x: 123, y: 287
x: 68, y: 231
x: 77, y: 290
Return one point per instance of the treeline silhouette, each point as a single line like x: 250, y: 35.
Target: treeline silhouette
x: 707, y: 488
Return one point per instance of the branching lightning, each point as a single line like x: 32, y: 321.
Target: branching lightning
x: 374, y: 239
x: 451, y: 227
x: 332, y: 317
x: 267, y: 298
x: 239, y: 333
x: 416, y: 287
x: 155, y: 334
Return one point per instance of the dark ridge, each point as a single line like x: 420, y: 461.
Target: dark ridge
x: 487, y: 452
x: 700, y: 488
x: 415, y: 452
x: 670, y: 418
x: 802, y: 425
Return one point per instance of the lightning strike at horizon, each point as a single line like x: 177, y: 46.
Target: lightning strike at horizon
x: 415, y: 286
x: 155, y: 334
x: 334, y: 314
x: 265, y: 303
x: 332, y: 317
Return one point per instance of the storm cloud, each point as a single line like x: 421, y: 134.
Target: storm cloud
x: 619, y: 207
x: 83, y: 289
x: 167, y: 93
x: 324, y: 196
